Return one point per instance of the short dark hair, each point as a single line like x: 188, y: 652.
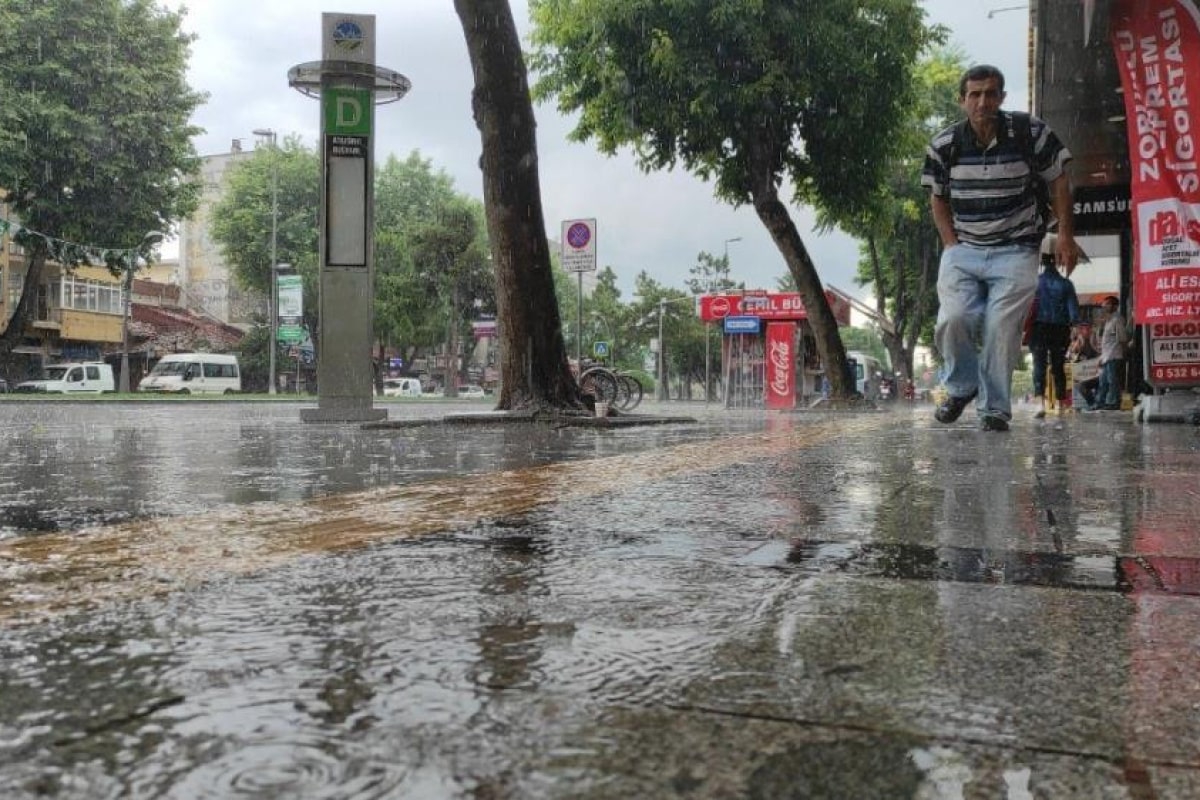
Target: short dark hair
x: 1111, y: 299
x: 979, y: 72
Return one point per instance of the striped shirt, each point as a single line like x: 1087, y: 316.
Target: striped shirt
x: 990, y: 188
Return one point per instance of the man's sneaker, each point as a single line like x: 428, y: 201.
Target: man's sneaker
x: 952, y: 408
x: 990, y: 423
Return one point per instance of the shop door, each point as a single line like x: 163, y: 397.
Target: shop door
x: 744, y: 370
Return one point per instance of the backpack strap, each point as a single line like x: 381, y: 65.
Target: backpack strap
x: 1020, y: 127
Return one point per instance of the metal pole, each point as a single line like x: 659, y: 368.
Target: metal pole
x: 273, y: 310
x: 123, y: 384
x: 150, y: 239
x: 579, y: 324
x: 273, y: 321
x: 662, y: 365
x: 706, y: 330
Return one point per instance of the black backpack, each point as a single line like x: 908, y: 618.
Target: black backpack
x: 1020, y: 128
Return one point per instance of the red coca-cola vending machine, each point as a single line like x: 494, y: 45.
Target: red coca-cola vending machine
x: 780, y: 390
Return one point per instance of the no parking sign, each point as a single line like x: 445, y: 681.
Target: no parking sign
x: 579, y: 245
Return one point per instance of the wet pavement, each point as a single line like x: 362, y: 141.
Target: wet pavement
x: 217, y: 600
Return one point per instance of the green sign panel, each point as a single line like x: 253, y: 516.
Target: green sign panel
x: 347, y: 112
x: 290, y: 334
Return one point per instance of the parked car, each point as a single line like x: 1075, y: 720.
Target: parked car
x: 402, y: 387
x: 84, y: 378
x: 471, y: 392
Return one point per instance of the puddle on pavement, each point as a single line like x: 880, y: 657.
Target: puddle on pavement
x: 57, y: 572
x: 906, y: 561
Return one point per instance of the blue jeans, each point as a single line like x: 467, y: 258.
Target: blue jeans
x: 984, y: 295
x: 1108, y: 395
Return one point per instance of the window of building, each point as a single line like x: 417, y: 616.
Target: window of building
x: 85, y: 295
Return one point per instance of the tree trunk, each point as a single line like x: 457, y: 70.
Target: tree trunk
x: 892, y: 340
x: 533, y: 358
x: 23, y: 314
x: 783, y: 231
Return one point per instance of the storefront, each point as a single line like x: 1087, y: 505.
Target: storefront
x: 769, y: 356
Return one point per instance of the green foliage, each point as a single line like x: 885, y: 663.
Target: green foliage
x: 451, y: 273
x: 241, y: 219
x: 710, y: 275
x: 903, y: 267
x: 430, y: 243
x: 95, y: 140
x: 813, y: 91
x: 865, y: 340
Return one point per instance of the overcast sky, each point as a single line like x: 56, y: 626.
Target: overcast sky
x: 657, y: 222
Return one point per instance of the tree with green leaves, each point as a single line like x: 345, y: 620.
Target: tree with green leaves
x: 748, y: 94
x: 901, y: 249
x: 95, y: 138
x: 452, y: 272
x: 430, y: 247
x: 710, y: 275
x: 242, y: 217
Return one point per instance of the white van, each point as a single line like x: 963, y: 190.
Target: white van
x: 90, y: 377
x: 194, y: 373
x: 402, y: 387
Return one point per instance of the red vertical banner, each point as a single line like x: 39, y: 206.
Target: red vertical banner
x: 781, y: 365
x: 1157, y: 46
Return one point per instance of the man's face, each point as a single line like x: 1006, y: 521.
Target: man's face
x: 981, y: 102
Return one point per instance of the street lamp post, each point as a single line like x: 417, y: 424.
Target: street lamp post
x: 992, y: 13
x: 725, y: 263
x: 269, y: 133
x: 662, y: 365
x: 149, y: 240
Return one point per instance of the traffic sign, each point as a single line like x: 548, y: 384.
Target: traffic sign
x: 290, y: 334
x: 743, y: 324
x: 600, y: 349
x: 579, y: 245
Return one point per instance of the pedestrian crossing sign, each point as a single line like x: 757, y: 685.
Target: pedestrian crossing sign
x: 600, y: 349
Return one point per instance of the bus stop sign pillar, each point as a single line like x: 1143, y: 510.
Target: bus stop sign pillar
x: 348, y: 85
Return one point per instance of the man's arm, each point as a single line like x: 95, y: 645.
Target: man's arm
x: 943, y: 219
x: 1066, y: 251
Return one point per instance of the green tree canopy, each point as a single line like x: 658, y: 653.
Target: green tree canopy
x: 746, y: 93
x: 430, y: 243
x: 95, y: 139
x: 900, y: 249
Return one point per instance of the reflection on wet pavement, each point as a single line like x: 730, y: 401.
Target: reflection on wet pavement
x: 819, y: 606
x: 47, y: 572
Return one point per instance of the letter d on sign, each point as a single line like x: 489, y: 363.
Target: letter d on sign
x: 349, y: 113
x: 346, y: 112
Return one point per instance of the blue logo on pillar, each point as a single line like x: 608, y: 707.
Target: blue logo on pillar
x: 348, y: 35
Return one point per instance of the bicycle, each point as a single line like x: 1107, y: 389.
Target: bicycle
x: 598, y: 381
x: 629, y: 391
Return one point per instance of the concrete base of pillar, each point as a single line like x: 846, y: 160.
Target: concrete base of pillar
x: 1176, y: 406
x: 343, y: 412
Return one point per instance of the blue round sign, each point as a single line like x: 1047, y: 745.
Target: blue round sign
x: 578, y: 235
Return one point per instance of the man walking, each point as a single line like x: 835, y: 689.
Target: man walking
x: 985, y: 175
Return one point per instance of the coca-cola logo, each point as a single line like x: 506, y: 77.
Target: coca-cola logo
x: 780, y: 355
